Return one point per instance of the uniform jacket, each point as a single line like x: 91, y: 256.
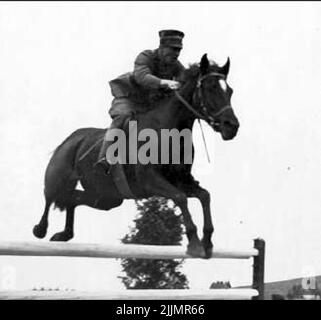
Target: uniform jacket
x: 142, y: 86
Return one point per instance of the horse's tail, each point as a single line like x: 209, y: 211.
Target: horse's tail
x: 75, y: 135
x: 61, y: 177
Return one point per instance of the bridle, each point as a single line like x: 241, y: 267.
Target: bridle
x: 198, y: 96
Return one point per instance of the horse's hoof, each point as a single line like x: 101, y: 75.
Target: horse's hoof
x: 196, y: 251
x: 39, y: 231
x: 62, y: 236
x: 208, y: 252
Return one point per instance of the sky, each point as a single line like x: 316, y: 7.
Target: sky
x: 56, y: 59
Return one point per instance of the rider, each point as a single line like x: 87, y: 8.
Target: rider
x: 154, y: 71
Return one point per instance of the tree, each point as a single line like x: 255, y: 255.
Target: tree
x: 277, y: 296
x: 158, y: 224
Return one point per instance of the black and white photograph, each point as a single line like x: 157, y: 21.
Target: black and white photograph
x: 160, y: 150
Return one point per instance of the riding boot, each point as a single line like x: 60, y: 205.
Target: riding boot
x: 103, y: 162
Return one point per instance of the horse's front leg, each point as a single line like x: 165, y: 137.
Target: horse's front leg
x: 195, y: 191
x: 155, y: 184
x: 68, y: 232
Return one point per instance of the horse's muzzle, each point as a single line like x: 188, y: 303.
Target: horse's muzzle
x: 228, y: 129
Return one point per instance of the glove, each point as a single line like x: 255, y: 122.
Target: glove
x: 170, y: 84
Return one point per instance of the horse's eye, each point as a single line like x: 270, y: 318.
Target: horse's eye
x: 211, y: 83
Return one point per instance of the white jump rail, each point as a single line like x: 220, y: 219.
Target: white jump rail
x: 112, y: 251
x: 147, y: 294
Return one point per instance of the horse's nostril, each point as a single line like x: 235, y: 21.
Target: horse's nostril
x: 227, y: 124
x: 216, y: 125
x: 230, y: 124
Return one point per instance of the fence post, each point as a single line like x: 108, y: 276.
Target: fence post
x: 258, y: 269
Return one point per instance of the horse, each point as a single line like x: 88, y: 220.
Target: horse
x: 204, y: 94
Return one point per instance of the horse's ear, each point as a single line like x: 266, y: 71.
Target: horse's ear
x: 204, y: 64
x: 225, y: 69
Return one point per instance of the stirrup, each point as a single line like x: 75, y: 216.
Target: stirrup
x: 101, y: 161
x: 103, y: 164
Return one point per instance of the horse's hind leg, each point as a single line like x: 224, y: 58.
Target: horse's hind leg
x: 204, y: 197
x: 40, y: 230
x: 68, y: 232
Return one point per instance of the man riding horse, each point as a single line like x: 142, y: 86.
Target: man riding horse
x: 155, y: 71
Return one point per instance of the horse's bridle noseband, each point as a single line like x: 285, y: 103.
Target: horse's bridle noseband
x: 198, y: 93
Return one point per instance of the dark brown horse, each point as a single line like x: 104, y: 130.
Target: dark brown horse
x: 206, y: 95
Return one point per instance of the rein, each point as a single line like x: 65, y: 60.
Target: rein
x: 198, y: 86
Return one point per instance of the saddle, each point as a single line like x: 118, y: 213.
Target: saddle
x: 116, y: 170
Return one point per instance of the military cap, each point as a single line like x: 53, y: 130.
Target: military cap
x: 171, y: 38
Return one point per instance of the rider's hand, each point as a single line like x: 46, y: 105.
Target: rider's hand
x: 170, y: 84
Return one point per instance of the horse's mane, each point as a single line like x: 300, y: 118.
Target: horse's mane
x: 193, y: 70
